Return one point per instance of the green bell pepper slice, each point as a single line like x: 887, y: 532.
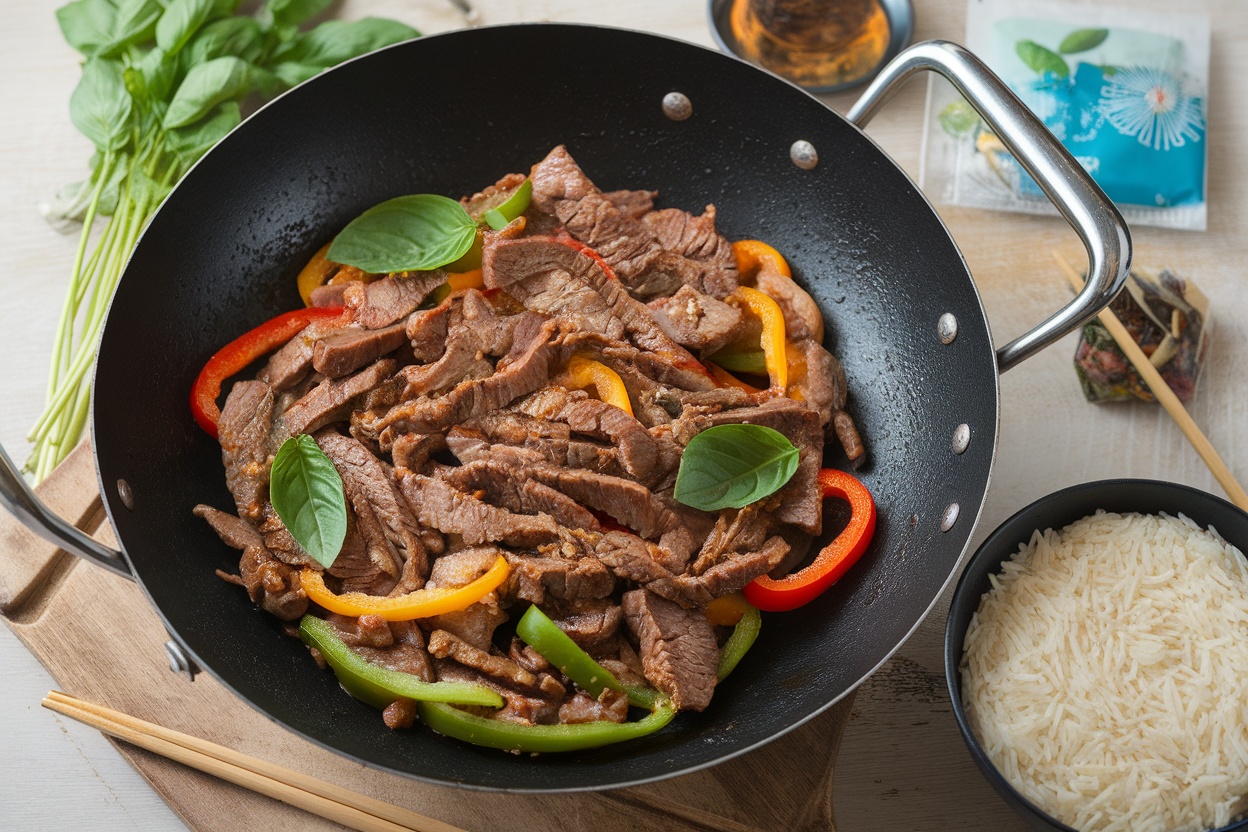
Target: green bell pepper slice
x: 379, y: 686
x: 510, y: 736
x: 502, y: 216
x: 739, y: 643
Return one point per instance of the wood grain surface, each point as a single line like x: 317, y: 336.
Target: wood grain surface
x: 901, y: 763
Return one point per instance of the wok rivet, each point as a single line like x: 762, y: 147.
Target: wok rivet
x: 949, y: 517
x: 677, y: 106
x: 179, y: 662
x: 804, y: 155
x: 126, y: 494
x: 947, y: 328
x: 961, y: 438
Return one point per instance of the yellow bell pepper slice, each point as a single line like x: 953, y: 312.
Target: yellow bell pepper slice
x: 752, y: 254
x: 419, y: 604
x: 581, y: 373
x: 727, y: 379
x: 315, y: 274
x: 772, y: 318
x: 459, y: 281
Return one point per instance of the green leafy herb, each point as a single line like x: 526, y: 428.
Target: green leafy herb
x: 162, y: 82
x: 419, y: 232
x: 731, y: 466
x: 515, y: 205
x: 307, y: 494
x: 1040, y: 59
x: 1081, y: 40
x: 959, y: 118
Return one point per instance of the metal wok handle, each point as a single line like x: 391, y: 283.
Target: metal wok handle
x: 18, y: 499
x: 1067, y: 185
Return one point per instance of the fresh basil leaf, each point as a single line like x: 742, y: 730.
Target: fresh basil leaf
x: 114, y: 180
x: 159, y: 73
x: 87, y: 25
x: 205, y: 86
x: 240, y: 37
x: 419, y: 232
x: 100, y: 106
x: 500, y: 217
x: 1081, y: 40
x: 731, y: 466
x: 306, y: 491
x: 751, y: 361
x: 292, y: 74
x: 294, y: 12
x: 335, y: 41
x: 266, y: 83
x: 183, y: 18
x: 194, y: 140
x: 135, y: 23
x: 1040, y: 59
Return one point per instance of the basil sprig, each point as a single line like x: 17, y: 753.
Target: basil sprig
x: 731, y: 466
x: 411, y: 233
x: 307, y: 494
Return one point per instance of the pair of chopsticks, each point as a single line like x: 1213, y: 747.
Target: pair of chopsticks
x: 1165, y: 396
x: 308, y: 793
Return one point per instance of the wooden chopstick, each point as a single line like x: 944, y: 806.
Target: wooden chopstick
x: 333, y: 802
x: 1165, y: 396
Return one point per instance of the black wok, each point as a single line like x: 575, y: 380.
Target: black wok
x: 450, y: 114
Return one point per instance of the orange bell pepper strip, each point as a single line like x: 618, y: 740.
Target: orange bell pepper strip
x: 419, y: 604
x: 459, y: 281
x: 246, y: 348
x: 803, y: 586
x: 772, y: 318
x: 726, y: 379
x: 315, y: 274
x: 581, y: 372
x: 752, y: 254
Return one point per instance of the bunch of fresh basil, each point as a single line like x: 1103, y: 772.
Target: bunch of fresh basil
x: 162, y: 82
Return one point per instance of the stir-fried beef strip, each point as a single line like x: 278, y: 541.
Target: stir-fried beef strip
x: 459, y: 440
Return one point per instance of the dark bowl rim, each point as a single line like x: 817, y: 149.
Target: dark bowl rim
x: 1005, y: 534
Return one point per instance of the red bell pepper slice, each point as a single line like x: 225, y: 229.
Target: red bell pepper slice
x: 246, y: 348
x: 803, y: 586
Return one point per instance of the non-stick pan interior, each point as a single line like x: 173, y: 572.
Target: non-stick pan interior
x: 450, y: 114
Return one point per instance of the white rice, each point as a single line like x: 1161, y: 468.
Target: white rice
x: 1106, y: 674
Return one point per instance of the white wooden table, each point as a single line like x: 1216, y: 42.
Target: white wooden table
x: 902, y: 764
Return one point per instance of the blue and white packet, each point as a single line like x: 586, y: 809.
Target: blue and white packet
x: 1125, y: 90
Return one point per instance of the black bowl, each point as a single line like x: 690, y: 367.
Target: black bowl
x: 1056, y: 511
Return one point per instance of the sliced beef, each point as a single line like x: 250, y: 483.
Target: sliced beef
x: 329, y: 295
x: 802, y: 318
x: 427, y: 330
x: 405, y: 652
x: 684, y: 372
x: 294, y: 360
x: 494, y: 333
x: 441, y: 505
x: 635, y: 449
x: 816, y: 377
x: 476, y: 623
x: 337, y: 355
x: 412, y: 450
x: 611, y: 706
x: 728, y: 575
x: 390, y: 299
x: 635, y: 204
x: 696, y: 239
x: 678, y: 650
x: 243, y: 431
x: 357, y: 569
x: 591, y: 623
x: 461, y: 361
x: 519, y: 707
x: 512, y: 488
x: 698, y: 321
x: 534, y: 578
x: 847, y: 433
x: 446, y: 645
x: 383, y: 517
x: 735, y: 530
x: 331, y: 400
x: 271, y: 584
x: 280, y: 542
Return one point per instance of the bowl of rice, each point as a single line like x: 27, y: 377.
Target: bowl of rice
x: 1096, y: 653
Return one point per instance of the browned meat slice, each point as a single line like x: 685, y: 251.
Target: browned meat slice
x: 462, y: 361
x: 678, y: 650
x: 390, y: 299
x: 635, y: 204
x: 519, y: 707
x: 494, y: 333
x: 634, y: 448
x: 331, y: 400
x: 329, y: 295
x: 364, y: 631
x: 697, y: 321
x: 728, y: 575
x: 383, y: 518
x: 294, y: 360
x: 442, y: 506
x: 739, y: 530
x: 336, y: 355
x: 683, y: 373
x: 243, y: 431
x: 412, y: 450
x: 492, y: 196
x: 523, y: 370
x: 444, y: 645
x: 356, y: 569
x: 427, y: 329
x: 799, y: 502
x: 280, y: 542
x: 549, y: 438
x: 591, y: 623
x: 528, y: 658
x: 611, y: 706
x: 271, y: 584
x: 404, y: 651
x: 476, y: 623
x: 802, y: 318
x: 533, y: 578
x: 634, y: 559
x: 847, y: 433
x: 511, y: 487
x: 696, y: 239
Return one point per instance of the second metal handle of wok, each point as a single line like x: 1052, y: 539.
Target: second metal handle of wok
x: 17, y: 498
x: 1063, y: 180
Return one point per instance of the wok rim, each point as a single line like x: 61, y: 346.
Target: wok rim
x: 608, y: 783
